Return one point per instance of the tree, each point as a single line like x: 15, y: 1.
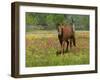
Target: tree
x: 50, y: 20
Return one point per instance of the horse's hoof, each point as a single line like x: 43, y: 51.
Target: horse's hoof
x: 66, y: 51
x: 58, y: 52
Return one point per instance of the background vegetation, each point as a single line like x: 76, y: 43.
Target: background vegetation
x: 46, y: 21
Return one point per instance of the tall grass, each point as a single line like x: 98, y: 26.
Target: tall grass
x: 41, y: 48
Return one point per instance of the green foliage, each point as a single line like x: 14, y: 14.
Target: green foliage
x: 49, y: 21
x: 29, y: 19
x: 58, y: 18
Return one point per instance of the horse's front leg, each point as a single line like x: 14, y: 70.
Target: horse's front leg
x: 62, y: 47
x: 67, y: 45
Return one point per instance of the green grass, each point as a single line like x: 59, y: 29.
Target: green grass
x: 41, y: 48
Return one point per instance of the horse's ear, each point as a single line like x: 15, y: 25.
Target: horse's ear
x: 57, y: 24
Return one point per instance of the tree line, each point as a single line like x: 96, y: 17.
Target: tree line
x: 49, y: 21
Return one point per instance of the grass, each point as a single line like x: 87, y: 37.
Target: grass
x: 41, y: 48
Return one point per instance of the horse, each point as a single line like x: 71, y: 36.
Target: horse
x: 66, y: 34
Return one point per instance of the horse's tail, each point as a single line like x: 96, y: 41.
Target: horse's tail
x: 73, y: 29
x: 74, y: 41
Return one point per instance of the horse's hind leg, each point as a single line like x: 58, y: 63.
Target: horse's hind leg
x: 70, y: 43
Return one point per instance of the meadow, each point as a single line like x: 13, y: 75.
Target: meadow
x: 41, y: 48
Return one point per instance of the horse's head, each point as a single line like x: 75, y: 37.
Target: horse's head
x: 60, y: 27
x: 59, y: 30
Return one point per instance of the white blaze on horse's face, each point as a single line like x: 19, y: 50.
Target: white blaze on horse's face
x: 59, y: 30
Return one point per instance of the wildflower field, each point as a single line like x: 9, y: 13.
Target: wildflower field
x: 42, y: 45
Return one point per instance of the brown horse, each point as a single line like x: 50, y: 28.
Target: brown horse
x: 66, y: 34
